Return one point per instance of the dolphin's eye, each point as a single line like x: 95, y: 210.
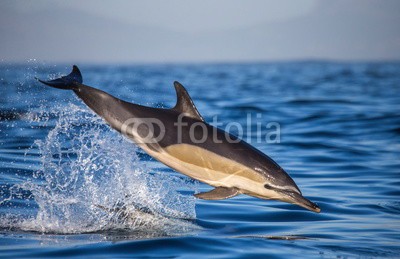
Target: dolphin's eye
x: 268, y: 186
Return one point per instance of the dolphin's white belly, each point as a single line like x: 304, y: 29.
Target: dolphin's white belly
x: 210, y: 168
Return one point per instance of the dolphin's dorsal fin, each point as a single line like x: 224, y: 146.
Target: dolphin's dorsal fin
x: 184, y: 103
x: 219, y: 193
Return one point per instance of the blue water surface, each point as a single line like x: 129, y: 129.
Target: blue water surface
x: 72, y: 186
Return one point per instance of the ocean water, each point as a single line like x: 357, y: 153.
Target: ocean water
x: 72, y: 186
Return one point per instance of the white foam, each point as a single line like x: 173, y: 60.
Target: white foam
x: 92, y: 181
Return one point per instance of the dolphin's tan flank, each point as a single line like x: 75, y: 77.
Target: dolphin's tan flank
x: 232, y: 167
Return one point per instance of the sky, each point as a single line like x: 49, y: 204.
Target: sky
x: 123, y: 31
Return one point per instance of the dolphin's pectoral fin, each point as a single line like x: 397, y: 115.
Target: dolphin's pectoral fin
x: 184, y: 103
x: 219, y: 193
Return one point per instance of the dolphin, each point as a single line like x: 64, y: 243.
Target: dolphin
x: 180, y: 138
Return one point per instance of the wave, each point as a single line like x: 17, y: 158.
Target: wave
x: 92, y: 180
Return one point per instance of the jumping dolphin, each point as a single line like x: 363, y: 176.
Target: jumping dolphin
x: 187, y: 144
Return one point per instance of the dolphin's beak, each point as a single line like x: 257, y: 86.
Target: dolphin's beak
x: 298, y: 199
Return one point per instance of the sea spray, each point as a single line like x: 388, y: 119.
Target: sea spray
x: 92, y: 180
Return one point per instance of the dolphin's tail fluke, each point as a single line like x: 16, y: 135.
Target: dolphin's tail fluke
x: 68, y: 82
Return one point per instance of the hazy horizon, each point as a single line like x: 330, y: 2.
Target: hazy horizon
x: 199, y: 32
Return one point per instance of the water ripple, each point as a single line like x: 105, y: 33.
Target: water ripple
x: 69, y: 185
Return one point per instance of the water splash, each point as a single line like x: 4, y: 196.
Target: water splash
x: 91, y: 180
